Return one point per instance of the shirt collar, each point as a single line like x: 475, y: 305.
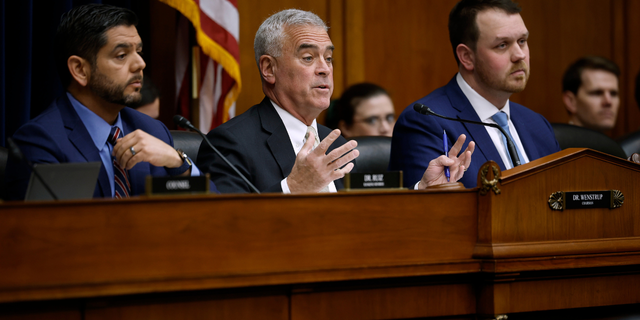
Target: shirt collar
x: 295, y: 128
x: 482, y: 106
x: 98, y: 128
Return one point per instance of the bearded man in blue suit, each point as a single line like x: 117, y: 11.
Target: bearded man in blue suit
x: 98, y: 52
x: 489, y: 40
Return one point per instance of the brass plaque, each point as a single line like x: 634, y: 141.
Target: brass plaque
x: 561, y: 200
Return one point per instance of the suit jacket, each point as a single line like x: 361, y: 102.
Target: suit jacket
x: 59, y: 136
x: 417, y: 139
x: 258, y: 144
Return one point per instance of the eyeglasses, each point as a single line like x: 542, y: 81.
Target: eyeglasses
x: 376, y: 121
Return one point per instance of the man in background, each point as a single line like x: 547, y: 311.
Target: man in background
x: 591, y: 93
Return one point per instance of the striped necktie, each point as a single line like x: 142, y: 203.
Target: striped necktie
x: 501, y: 119
x: 122, y: 187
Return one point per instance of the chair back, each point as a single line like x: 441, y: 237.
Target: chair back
x: 187, y: 141
x: 4, y: 156
x: 374, y: 154
x: 630, y: 143
x: 570, y: 136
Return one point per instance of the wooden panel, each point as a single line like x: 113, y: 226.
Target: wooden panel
x: 387, y: 303
x: 518, y: 222
x: 554, y: 294
x: 631, y: 113
x: 269, y: 307
x: 252, y: 14
x: 34, y: 315
x: 561, y: 32
x: 225, y: 241
x: 407, y: 47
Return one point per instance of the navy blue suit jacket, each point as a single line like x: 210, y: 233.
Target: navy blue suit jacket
x: 59, y: 136
x: 258, y: 144
x: 417, y: 139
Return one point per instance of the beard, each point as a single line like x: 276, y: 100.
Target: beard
x: 506, y: 83
x: 108, y: 90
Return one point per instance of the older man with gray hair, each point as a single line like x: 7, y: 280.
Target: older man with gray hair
x: 277, y: 144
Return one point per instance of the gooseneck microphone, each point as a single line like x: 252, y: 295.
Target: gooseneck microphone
x: 17, y: 154
x: 186, y: 124
x: 422, y: 109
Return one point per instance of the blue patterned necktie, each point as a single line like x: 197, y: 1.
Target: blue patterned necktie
x: 122, y: 187
x: 501, y: 119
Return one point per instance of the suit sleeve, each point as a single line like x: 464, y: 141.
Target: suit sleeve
x: 224, y: 177
x: 38, y: 146
x: 416, y: 141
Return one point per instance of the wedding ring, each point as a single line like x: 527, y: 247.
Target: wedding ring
x: 133, y: 152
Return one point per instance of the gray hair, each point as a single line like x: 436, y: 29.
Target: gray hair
x: 271, y: 34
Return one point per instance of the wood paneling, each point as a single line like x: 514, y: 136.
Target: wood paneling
x: 417, y: 301
x: 268, y: 307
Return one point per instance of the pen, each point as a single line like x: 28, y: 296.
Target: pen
x: 445, y: 146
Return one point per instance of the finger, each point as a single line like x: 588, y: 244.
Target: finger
x: 338, y: 174
x: 341, y: 150
x: 338, y: 163
x: 453, y: 152
x: 132, y: 161
x: 327, y: 142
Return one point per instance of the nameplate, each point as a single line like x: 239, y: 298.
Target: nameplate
x: 177, y: 185
x: 365, y: 181
x: 610, y: 199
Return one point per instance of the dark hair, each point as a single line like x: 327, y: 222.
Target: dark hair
x: 463, y: 27
x: 82, y: 32
x: 345, y: 107
x: 572, y: 79
x: 148, y: 94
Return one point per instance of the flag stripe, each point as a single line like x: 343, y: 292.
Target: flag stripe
x: 224, y: 14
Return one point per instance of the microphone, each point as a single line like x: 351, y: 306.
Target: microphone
x: 184, y: 123
x: 17, y: 154
x: 422, y: 109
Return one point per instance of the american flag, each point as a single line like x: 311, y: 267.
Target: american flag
x: 215, y: 67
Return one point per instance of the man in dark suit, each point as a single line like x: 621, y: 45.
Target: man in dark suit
x: 98, y: 51
x: 274, y: 143
x: 489, y: 41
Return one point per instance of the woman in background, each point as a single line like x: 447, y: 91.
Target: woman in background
x: 364, y: 109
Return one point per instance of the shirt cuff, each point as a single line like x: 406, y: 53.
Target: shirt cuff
x: 285, y: 186
x: 195, y: 172
x: 415, y: 187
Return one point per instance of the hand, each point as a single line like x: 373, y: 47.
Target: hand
x: 314, y: 170
x: 147, y: 149
x: 457, y: 165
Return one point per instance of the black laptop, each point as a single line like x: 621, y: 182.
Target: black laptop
x: 69, y: 181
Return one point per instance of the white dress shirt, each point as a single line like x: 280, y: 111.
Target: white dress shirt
x: 485, y: 111
x: 297, y: 131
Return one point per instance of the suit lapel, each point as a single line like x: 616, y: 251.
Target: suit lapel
x: 137, y: 174
x: 477, y: 133
x: 278, y: 142
x: 524, y: 134
x: 81, y: 140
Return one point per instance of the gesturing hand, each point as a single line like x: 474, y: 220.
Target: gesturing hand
x: 314, y: 169
x: 457, y: 164
x: 147, y: 148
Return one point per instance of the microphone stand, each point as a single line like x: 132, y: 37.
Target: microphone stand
x: 184, y: 123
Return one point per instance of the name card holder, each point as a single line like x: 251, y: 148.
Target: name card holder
x: 561, y: 200
x: 373, y: 181
x: 177, y: 185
